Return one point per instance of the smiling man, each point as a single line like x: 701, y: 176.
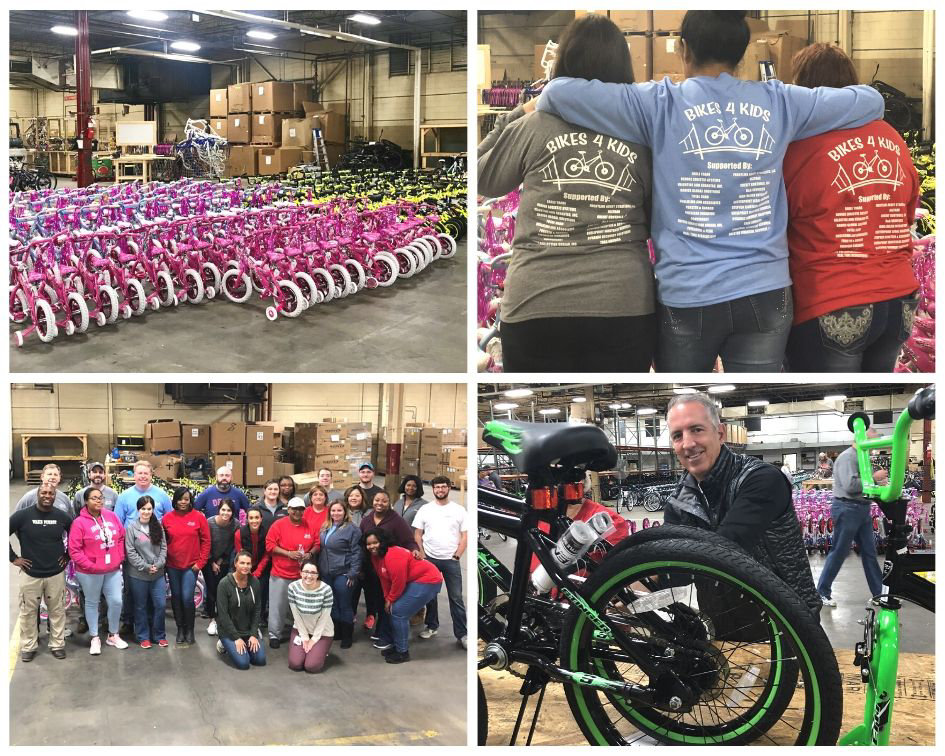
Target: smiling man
x: 737, y: 496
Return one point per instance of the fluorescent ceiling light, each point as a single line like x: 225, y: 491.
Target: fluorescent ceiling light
x: 259, y: 34
x: 626, y: 405
x: 67, y: 30
x: 834, y: 398
x: 721, y: 388
x: 185, y: 46
x: 148, y: 15
x: 646, y: 411
x: 758, y: 403
x: 550, y: 411
x: 685, y: 390
x: 616, y: 406
x: 579, y: 399
x: 504, y: 406
x: 364, y: 18
x: 518, y: 393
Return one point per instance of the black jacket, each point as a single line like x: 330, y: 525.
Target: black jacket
x: 749, y: 501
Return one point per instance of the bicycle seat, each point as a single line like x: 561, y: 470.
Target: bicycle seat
x: 537, y: 446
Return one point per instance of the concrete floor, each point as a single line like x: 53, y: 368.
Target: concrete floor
x: 417, y: 325
x: 356, y: 700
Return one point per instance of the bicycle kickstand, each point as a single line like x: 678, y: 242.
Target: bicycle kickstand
x: 535, y: 682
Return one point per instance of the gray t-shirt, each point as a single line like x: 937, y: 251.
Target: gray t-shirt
x: 846, y: 477
x: 31, y: 497
x: 111, y: 497
x: 583, y: 220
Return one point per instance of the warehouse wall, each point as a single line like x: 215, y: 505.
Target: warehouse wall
x: 512, y: 38
x: 104, y: 410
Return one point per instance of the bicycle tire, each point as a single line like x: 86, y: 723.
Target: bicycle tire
x: 346, y: 284
x: 294, y: 297
x: 45, y: 321
x: 77, y: 307
x: 790, y: 629
x: 356, y: 271
x: 236, y: 286
x: 327, y: 288
x: 387, y: 276
x: 652, y: 501
x: 165, y: 288
x: 108, y: 295
x: 193, y: 284
x: 482, y: 708
x: 134, y: 296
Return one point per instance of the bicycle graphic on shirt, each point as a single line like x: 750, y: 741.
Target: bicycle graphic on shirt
x: 580, y: 170
x: 732, y: 138
x: 876, y: 170
x: 578, y: 166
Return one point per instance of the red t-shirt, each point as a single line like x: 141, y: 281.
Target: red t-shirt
x: 289, y: 536
x: 314, y: 519
x: 399, y: 567
x: 588, y: 509
x: 188, y: 539
x: 851, y: 197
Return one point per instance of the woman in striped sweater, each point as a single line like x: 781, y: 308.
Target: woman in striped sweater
x: 310, y: 601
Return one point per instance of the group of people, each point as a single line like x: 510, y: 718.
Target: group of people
x: 297, y: 562
x: 780, y: 214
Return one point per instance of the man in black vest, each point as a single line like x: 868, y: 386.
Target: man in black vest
x: 739, y: 497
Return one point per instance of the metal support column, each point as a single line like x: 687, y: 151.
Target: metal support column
x: 928, y: 72
x: 83, y: 83
x: 845, y: 31
x: 395, y: 436
x: 416, y: 107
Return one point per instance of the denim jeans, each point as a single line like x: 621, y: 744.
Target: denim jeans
x: 341, y: 610
x: 865, y: 338
x: 183, y: 583
x: 851, y: 522
x: 453, y: 577
x: 395, y: 627
x: 243, y: 660
x: 749, y: 334
x: 148, y: 628
x: 93, y: 586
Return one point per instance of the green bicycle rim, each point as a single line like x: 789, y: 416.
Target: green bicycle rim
x: 599, y: 738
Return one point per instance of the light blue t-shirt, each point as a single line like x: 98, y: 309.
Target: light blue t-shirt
x: 720, y: 214
x: 126, y: 509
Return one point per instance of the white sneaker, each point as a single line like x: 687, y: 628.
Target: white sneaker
x: 220, y: 649
x: 428, y: 632
x: 68, y: 633
x: 212, y: 628
x: 96, y: 646
x: 828, y: 601
x: 116, y: 641
x: 462, y: 641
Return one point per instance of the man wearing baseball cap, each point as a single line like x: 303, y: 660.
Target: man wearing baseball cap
x: 366, y: 484
x: 96, y: 480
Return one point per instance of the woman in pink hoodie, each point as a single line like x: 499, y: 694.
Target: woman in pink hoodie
x: 97, y: 547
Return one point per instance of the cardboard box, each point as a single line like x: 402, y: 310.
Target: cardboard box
x: 228, y: 437
x: 239, y: 98
x: 301, y: 92
x: 218, y: 103
x: 327, y: 447
x: 297, y: 132
x: 409, y: 467
x: 332, y: 123
x: 273, y: 160
x: 282, y: 468
x: 219, y: 126
x: 633, y: 21
x: 666, y: 54
x: 778, y: 48
x: 667, y: 20
x: 267, y: 127
x: 273, y: 96
x: 165, y: 466
x: 162, y: 435
x: 242, y: 161
x: 641, y: 56
x: 235, y: 462
x: 259, y: 469
x: 195, y: 439
x: 259, y: 440
x: 442, y: 437
x: 238, y: 128
x: 674, y: 77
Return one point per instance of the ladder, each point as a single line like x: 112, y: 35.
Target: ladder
x: 321, y: 152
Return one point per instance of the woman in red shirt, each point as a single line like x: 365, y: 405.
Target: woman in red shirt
x: 408, y: 584
x: 188, y: 549
x: 851, y: 196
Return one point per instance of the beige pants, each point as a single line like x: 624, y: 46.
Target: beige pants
x: 52, y: 590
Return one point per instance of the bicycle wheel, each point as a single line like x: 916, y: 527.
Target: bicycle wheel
x: 652, y: 501
x: 483, y: 712
x: 733, y: 633
x: 236, y: 286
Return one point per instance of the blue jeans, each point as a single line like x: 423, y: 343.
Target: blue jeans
x: 861, y: 339
x: 341, y: 610
x: 243, y: 660
x: 453, y: 577
x: 851, y: 522
x: 749, y: 334
x: 183, y: 584
x: 395, y: 627
x: 141, y: 590
x: 93, y: 586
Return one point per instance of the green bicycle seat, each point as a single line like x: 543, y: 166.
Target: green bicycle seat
x: 539, y: 446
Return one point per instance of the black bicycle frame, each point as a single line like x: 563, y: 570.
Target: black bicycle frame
x: 899, y: 567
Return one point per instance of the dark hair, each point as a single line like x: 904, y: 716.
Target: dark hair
x: 242, y: 552
x: 254, y: 509
x: 415, y: 479
x: 821, y: 65
x: 288, y: 478
x: 441, y: 479
x: 716, y: 36
x: 592, y: 47
x: 155, y: 531
x: 378, y: 493
x: 85, y: 494
x: 347, y: 495
x: 230, y: 503
x: 383, y: 538
x: 270, y: 482
x: 179, y: 494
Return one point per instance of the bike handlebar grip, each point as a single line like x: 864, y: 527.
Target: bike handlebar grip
x: 922, y: 405
x: 854, y: 416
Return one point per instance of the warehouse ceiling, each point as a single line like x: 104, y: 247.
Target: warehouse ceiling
x: 657, y: 395
x: 218, y: 37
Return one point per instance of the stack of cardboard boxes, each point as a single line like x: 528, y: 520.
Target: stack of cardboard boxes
x: 249, y: 450
x: 653, y: 38
x: 443, y: 452
x: 260, y: 121
x: 410, y: 450
x: 736, y: 434
x: 163, y: 447
x: 338, y: 446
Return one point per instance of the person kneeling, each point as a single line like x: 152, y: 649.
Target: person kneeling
x: 239, y: 602
x: 310, y: 601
